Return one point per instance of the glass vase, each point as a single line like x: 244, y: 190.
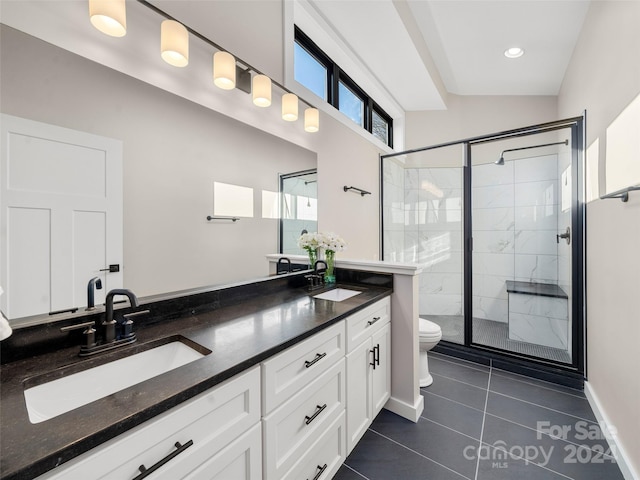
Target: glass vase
x: 329, y: 276
x: 313, y: 256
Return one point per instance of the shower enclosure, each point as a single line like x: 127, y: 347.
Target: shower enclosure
x: 496, y: 223
x: 298, y: 208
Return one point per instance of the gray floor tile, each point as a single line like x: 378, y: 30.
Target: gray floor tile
x: 496, y: 464
x: 435, y: 442
x: 557, y: 455
x: 541, y: 383
x: 563, y: 402
x: 457, y: 391
x: 444, y: 443
x: 565, y: 427
x: 346, y: 473
x: 466, y: 363
x: 378, y: 458
x: 460, y: 372
x: 453, y: 415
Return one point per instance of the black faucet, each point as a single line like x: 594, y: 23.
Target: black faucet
x: 97, y: 283
x: 315, y: 267
x: 282, y: 260
x: 109, y: 324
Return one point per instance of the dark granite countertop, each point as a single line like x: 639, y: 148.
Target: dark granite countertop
x: 533, y: 288
x: 239, y: 335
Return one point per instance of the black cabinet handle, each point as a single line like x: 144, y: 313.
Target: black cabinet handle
x: 373, y: 362
x: 319, y: 356
x: 376, y: 355
x: 319, y: 409
x: 321, y: 470
x: 145, y: 472
x: 371, y: 322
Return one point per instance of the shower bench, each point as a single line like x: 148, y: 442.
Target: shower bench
x: 538, y: 313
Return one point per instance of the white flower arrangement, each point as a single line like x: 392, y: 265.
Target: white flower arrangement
x: 332, y: 242
x: 329, y: 241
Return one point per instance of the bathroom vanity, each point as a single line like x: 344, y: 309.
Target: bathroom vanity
x: 289, y: 386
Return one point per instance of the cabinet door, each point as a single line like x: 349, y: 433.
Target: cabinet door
x: 381, y: 374
x: 359, y: 409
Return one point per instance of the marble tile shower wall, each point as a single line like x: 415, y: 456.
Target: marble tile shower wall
x: 434, y: 238
x: 393, y: 211
x: 515, y: 221
x: 299, y: 208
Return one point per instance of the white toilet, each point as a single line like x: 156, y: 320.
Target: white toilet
x: 430, y: 335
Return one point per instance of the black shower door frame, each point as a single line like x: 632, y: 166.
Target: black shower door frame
x: 518, y: 361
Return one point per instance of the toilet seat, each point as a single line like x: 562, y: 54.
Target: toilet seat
x: 429, y: 330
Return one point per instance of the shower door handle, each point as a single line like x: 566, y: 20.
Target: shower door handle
x: 566, y: 235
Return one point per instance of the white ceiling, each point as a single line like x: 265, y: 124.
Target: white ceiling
x: 465, y: 40
x: 419, y: 50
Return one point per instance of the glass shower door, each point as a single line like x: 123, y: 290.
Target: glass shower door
x: 423, y: 224
x: 521, y: 209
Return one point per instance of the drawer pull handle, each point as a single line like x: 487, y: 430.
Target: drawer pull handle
x: 371, y: 322
x: 319, y: 356
x: 320, y: 472
x: 318, y: 411
x: 145, y: 472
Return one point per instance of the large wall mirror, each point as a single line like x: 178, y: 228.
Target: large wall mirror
x: 180, y: 163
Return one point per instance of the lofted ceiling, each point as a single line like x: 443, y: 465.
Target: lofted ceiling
x: 461, y: 44
x: 417, y: 50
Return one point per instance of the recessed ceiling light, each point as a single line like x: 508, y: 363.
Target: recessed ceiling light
x: 513, y: 52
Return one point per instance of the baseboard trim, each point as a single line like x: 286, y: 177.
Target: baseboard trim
x: 410, y: 412
x: 621, y: 454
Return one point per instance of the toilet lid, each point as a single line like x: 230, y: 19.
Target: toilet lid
x: 428, y: 327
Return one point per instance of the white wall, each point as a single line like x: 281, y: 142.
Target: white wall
x: 604, y: 78
x: 468, y: 116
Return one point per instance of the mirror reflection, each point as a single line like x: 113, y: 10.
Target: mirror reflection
x: 115, y: 179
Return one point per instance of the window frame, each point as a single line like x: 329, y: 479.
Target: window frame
x: 335, y: 75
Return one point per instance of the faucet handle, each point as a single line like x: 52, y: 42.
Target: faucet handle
x: 127, y: 323
x: 89, y: 334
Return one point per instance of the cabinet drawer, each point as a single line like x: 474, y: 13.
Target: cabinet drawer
x: 240, y: 460
x: 210, y: 420
x: 362, y: 324
x: 290, y: 430
x: 324, y: 457
x: 288, y: 372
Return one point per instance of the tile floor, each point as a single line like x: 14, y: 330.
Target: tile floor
x: 483, y: 423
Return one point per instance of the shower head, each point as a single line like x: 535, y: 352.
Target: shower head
x: 500, y: 161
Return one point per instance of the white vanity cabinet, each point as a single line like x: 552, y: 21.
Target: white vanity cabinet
x: 294, y: 416
x: 305, y: 428
x: 368, y: 367
x: 218, y: 434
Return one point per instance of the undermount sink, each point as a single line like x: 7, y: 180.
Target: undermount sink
x: 337, y: 294
x: 55, y: 397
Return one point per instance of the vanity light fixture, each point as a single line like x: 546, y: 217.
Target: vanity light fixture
x: 109, y: 16
x: 229, y: 72
x: 224, y: 70
x: 513, y: 52
x: 261, y: 90
x: 290, y: 107
x: 174, y: 43
x: 311, y: 120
